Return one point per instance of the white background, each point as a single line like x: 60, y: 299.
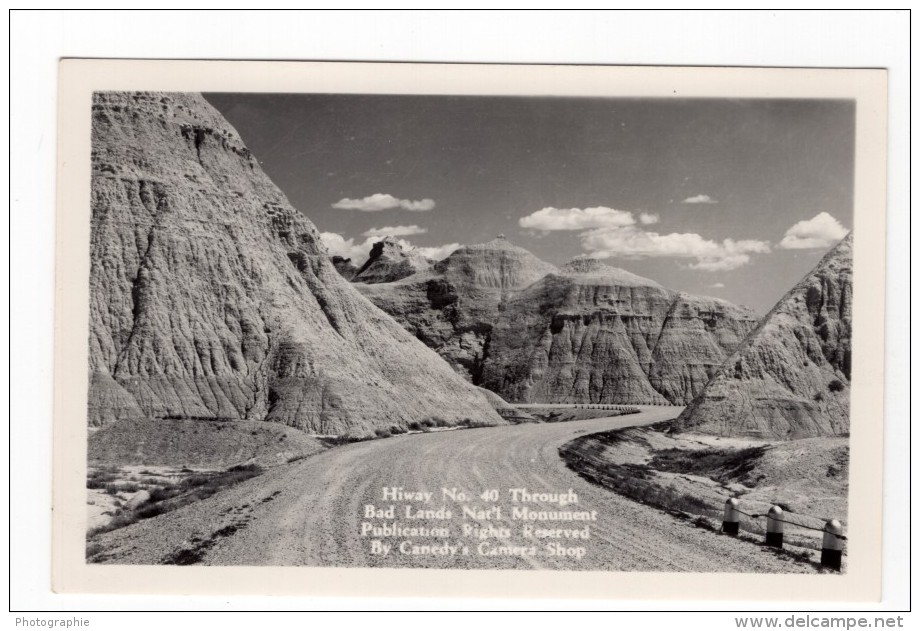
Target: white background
x: 38, y: 40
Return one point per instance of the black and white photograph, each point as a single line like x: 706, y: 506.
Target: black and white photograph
x: 539, y: 333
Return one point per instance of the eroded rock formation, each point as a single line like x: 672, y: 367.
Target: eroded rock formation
x: 598, y: 334
x: 452, y: 306
x: 790, y: 377
x: 211, y: 297
x: 390, y: 261
x: 588, y: 333
x: 344, y: 266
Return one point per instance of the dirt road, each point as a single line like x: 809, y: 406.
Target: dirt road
x: 312, y: 512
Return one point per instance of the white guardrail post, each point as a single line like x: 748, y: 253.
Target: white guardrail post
x: 832, y: 547
x: 775, y: 527
x: 731, y: 517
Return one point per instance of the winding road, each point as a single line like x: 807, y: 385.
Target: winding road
x: 312, y: 512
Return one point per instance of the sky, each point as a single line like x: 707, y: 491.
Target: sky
x: 737, y: 199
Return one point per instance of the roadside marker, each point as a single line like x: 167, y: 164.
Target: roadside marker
x: 832, y: 546
x: 775, y: 527
x: 730, y: 518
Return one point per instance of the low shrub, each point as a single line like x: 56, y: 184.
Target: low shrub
x: 148, y: 510
x: 162, y: 493
x: 100, y: 479
x: 113, y: 488
x: 250, y: 466
x: 164, y: 499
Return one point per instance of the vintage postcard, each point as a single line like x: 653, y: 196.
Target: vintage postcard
x: 419, y: 329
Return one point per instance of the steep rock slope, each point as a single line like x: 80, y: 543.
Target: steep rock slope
x: 211, y: 297
x: 390, y: 261
x: 599, y: 334
x: 790, y: 377
x: 452, y: 306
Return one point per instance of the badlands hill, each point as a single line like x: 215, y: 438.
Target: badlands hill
x: 790, y: 377
x: 211, y: 297
x: 589, y: 332
x: 390, y: 261
x: 599, y: 334
x: 451, y: 306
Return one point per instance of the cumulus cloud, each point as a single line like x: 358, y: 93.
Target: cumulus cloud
x: 347, y: 248
x: 821, y: 231
x: 437, y: 252
x: 395, y: 231
x: 700, y: 199
x: 384, y: 201
x: 635, y: 243
x: 647, y: 219
x: 551, y: 219
x: 358, y: 251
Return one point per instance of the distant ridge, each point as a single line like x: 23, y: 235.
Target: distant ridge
x: 452, y: 306
x: 593, y: 333
x: 389, y: 260
x: 583, y: 333
x: 595, y: 269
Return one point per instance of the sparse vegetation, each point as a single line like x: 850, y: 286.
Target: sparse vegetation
x: 114, y: 488
x: 724, y: 465
x: 634, y: 481
x: 169, y: 496
x: 100, y: 478
x: 835, y: 386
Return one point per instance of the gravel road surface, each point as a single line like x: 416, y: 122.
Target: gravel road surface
x: 311, y: 512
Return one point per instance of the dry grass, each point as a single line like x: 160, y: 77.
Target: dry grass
x: 166, y: 497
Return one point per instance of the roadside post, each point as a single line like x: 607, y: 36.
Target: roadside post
x: 731, y: 517
x: 832, y: 546
x: 775, y: 527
